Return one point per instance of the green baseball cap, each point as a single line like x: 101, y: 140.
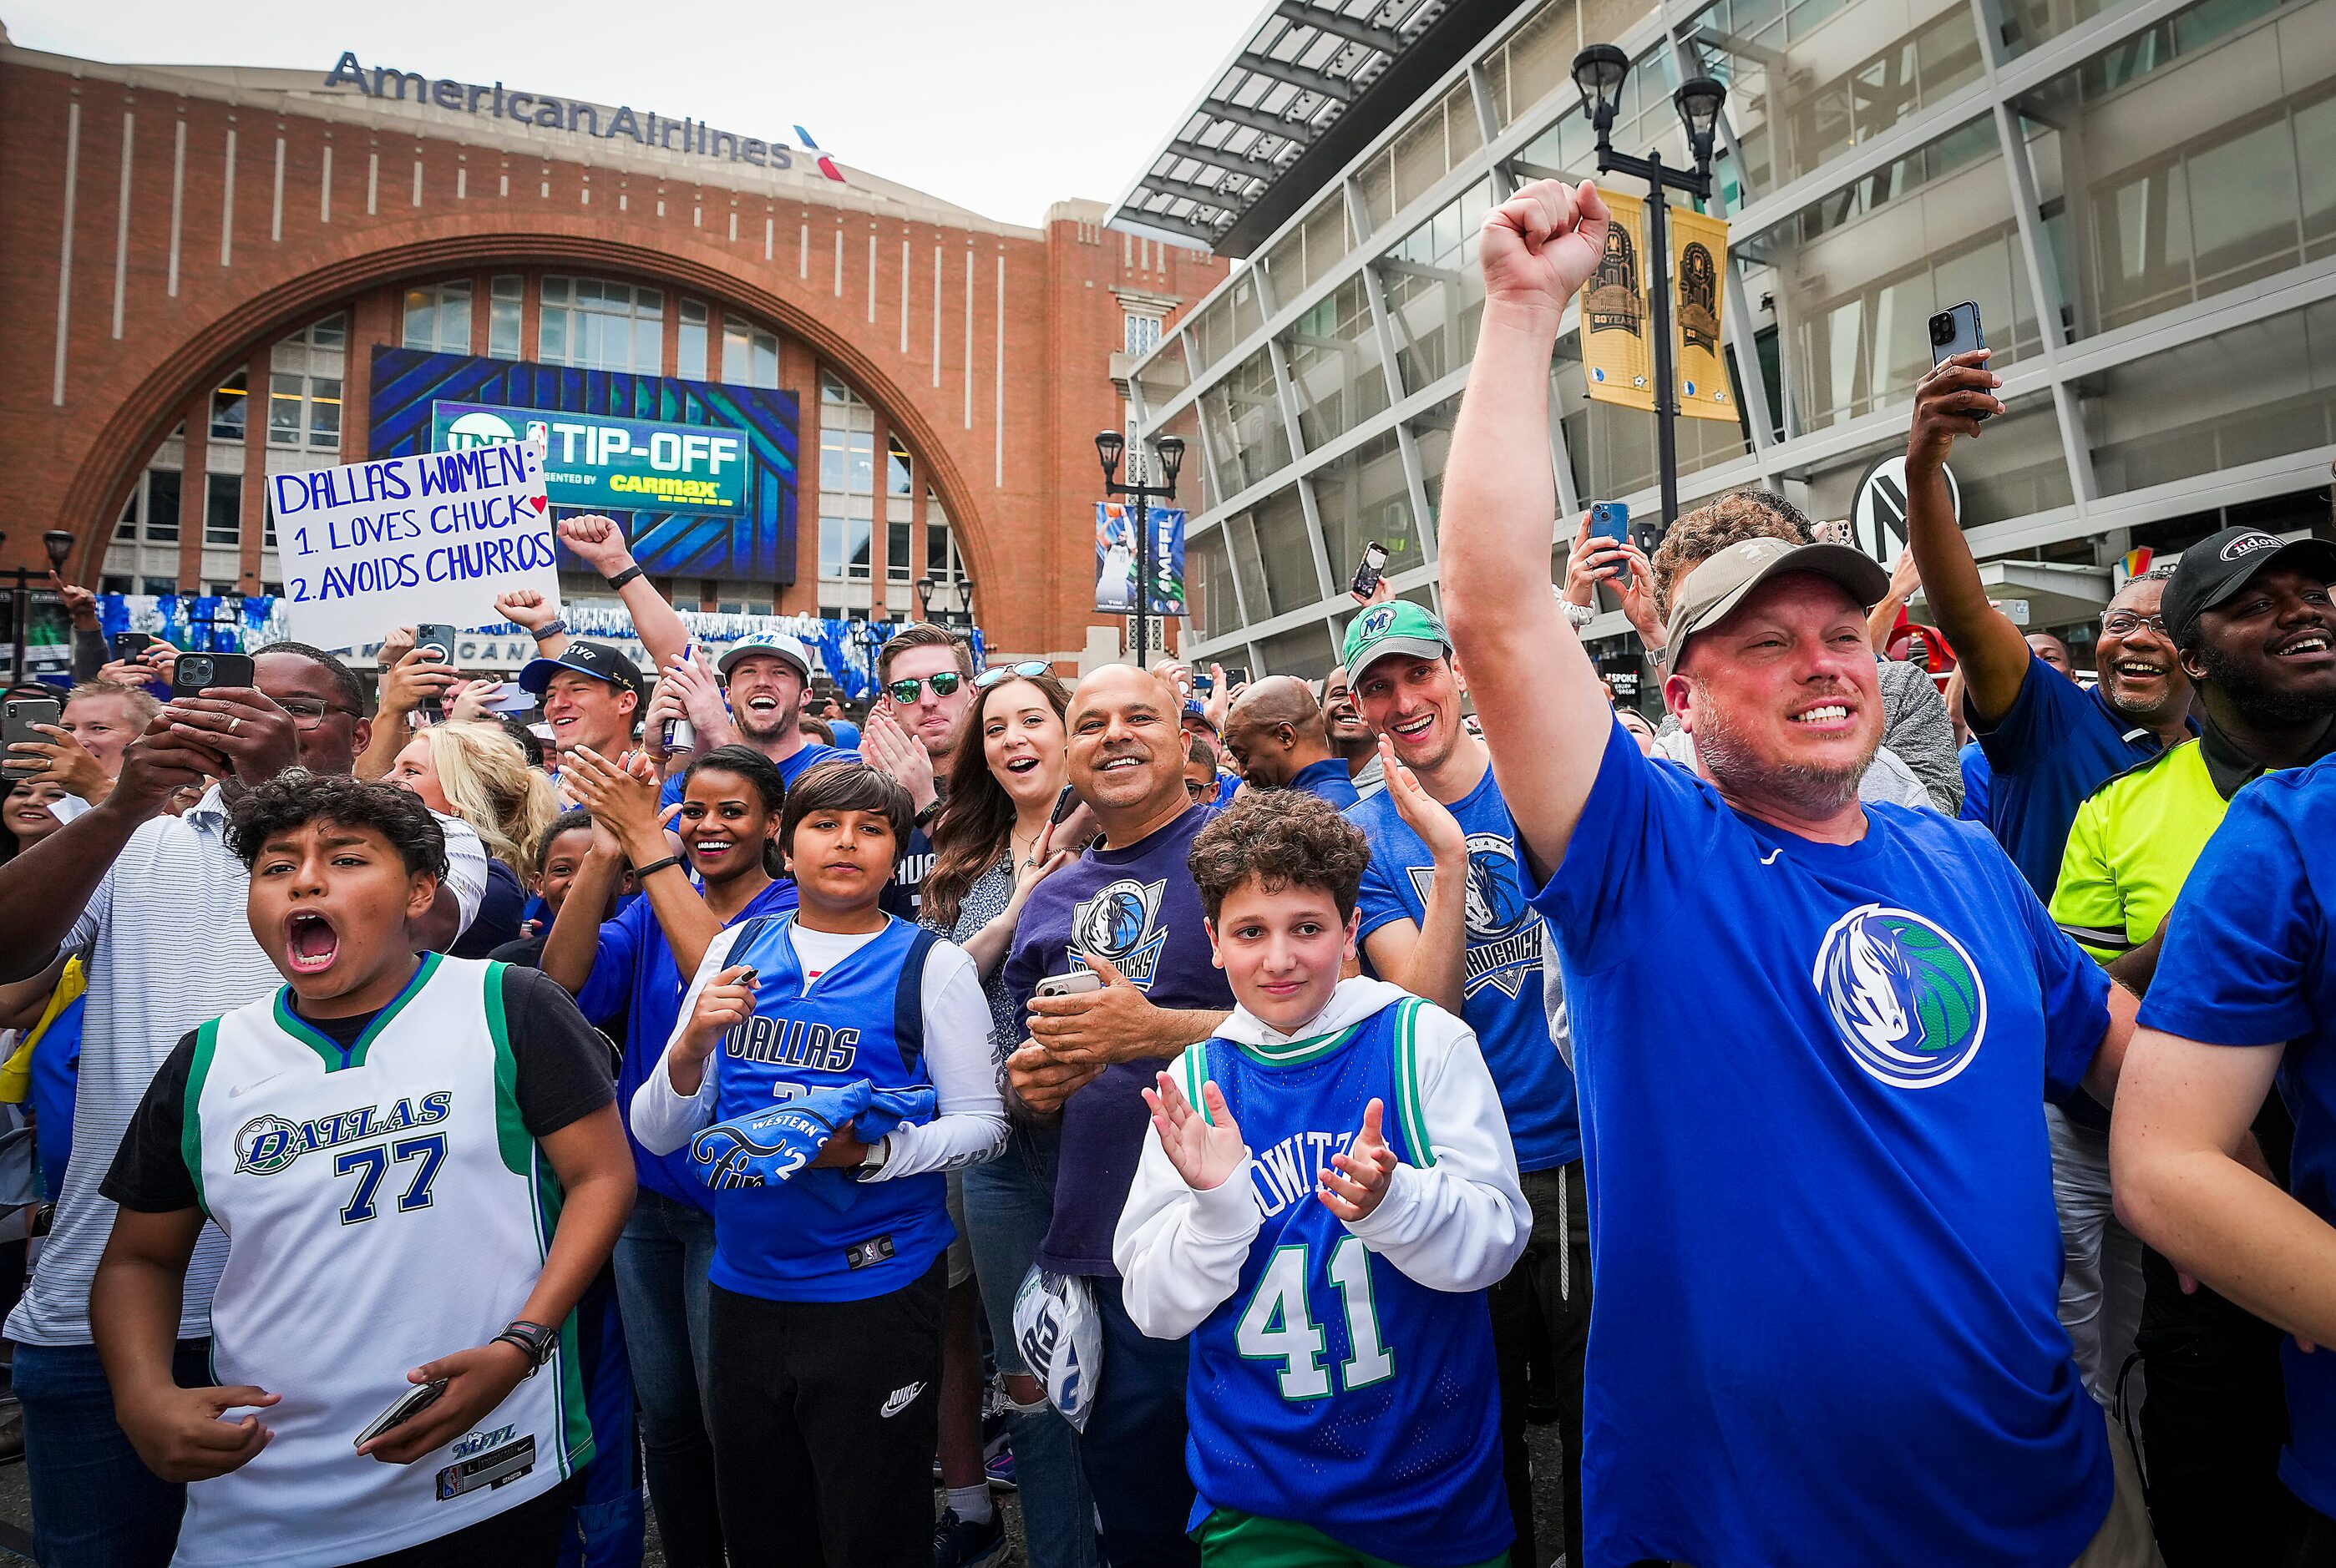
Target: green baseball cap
x: 1397, y: 627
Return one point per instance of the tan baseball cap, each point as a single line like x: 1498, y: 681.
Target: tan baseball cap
x: 1708, y: 593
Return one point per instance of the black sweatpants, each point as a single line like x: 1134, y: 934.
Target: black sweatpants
x: 824, y: 1417
x: 1541, y: 1319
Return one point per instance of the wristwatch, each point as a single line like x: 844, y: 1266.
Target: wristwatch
x: 535, y: 1340
x: 924, y: 818
x: 874, y: 1161
x: 626, y: 576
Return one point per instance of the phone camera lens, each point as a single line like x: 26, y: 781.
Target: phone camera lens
x: 196, y: 669
x: 1942, y: 328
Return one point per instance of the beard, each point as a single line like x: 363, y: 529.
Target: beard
x: 1815, y: 791
x: 766, y: 725
x: 2261, y: 705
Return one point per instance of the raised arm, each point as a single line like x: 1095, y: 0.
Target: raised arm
x: 1545, y: 712
x: 602, y: 544
x: 1992, y: 651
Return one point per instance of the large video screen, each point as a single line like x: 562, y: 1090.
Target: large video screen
x: 711, y: 469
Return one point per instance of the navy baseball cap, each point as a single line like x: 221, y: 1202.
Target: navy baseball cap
x: 597, y: 660
x: 2217, y: 567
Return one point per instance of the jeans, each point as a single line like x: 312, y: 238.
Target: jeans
x: 1133, y: 1446
x: 95, y: 1504
x: 2100, y: 1275
x: 662, y: 1260
x: 1008, y: 1204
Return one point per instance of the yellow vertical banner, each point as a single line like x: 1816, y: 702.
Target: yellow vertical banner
x: 1698, y: 272
x: 1617, y: 354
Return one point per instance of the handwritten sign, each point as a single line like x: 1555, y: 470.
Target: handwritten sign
x: 433, y: 536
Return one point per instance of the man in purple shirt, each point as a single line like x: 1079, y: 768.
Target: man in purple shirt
x: 1127, y: 910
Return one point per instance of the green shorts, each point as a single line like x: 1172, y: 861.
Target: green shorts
x: 1230, y: 1538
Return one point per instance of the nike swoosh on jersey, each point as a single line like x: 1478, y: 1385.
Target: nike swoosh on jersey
x: 901, y: 1399
x: 239, y: 1090
x: 1770, y: 859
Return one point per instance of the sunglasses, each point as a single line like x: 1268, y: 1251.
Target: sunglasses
x: 904, y: 691
x: 1030, y: 669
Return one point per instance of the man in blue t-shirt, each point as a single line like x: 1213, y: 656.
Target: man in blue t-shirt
x: 2244, y: 996
x: 2050, y: 743
x: 759, y: 704
x: 1808, y: 1034
x: 1444, y: 916
x: 1277, y: 736
x: 1129, y: 911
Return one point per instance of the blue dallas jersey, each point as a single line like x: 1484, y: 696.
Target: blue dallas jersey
x: 1331, y: 1388
x: 863, y: 1018
x: 2247, y: 964
x: 1821, y: 1221
x: 1502, y: 989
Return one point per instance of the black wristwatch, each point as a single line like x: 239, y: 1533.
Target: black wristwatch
x: 535, y: 1340
x: 925, y: 818
x: 621, y: 578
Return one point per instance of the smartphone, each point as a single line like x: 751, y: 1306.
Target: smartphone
x: 1236, y: 675
x: 195, y: 674
x: 22, y: 713
x: 1077, y: 983
x: 403, y: 1408
x: 1066, y: 801
x: 1956, y: 330
x: 131, y: 645
x: 1366, y: 575
x: 1203, y: 683
x: 1609, y: 523
x: 434, y: 640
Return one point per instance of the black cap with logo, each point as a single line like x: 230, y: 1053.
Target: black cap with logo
x: 597, y: 660
x: 2218, y: 565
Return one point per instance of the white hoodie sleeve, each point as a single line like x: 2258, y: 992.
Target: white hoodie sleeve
x: 664, y: 1119
x: 1178, y: 1251
x: 1461, y: 1222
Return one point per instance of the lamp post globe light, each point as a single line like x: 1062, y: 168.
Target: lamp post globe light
x: 1169, y: 451
x: 1598, y: 73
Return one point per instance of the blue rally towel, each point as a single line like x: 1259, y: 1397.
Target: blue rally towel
x: 771, y: 1146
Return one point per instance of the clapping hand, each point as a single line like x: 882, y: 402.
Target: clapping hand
x: 885, y: 746
x: 1204, y: 1149
x: 1424, y: 813
x: 1354, y: 1184
x: 624, y: 795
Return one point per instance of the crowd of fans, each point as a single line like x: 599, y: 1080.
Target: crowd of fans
x: 1199, y: 1107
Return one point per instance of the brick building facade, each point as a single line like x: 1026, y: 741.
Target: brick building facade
x: 197, y: 262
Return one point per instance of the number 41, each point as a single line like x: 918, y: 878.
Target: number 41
x: 1277, y: 1325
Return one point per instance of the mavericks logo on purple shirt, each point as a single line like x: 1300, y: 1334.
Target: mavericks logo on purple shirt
x: 1121, y: 924
x: 1906, y: 1000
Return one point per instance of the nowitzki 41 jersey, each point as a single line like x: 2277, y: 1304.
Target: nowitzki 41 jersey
x: 384, y: 1206
x: 1331, y: 1388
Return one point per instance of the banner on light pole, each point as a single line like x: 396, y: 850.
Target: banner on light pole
x: 1617, y: 353
x: 1698, y: 271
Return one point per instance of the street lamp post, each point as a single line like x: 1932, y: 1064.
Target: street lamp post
x: 59, y: 544
x: 1109, y: 447
x: 958, y: 619
x: 1598, y: 73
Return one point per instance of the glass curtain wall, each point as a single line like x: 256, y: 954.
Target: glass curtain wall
x: 2151, y: 210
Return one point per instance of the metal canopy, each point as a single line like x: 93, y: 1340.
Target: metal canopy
x: 1304, y: 65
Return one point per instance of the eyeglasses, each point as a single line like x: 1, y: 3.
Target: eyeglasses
x: 2125, y: 622
x: 904, y: 691
x: 1030, y: 669
x: 307, y: 713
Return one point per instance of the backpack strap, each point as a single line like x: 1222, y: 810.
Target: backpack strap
x: 908, y: 998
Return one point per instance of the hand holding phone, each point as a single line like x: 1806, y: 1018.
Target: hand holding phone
x: 1609, y: 525
x: 1956, y: 330
x: 435, y: 641
x: 402, y: 1409
x: 1366, y: 573
x: 22, y: 713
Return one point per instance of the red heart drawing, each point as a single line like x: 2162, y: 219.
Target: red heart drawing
x: 539, y: 503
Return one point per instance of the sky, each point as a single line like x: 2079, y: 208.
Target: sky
x: 1002, y: 108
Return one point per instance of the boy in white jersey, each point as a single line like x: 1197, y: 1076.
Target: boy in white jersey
x: 1342, y: 1366
x: 419, y: 1165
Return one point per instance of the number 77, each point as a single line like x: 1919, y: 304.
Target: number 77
x: 372, y: 1163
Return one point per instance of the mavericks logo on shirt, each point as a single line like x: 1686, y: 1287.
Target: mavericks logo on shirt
x: 1504, y: 940
x: 1118, y: 924
x: 1905, y: 998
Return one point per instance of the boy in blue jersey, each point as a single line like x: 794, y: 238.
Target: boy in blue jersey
x: 2244, y: 997
x: 827, y: 1283
x: 1335, y: 1300
x: 1809, y: 1034
x: 1444, y: 916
